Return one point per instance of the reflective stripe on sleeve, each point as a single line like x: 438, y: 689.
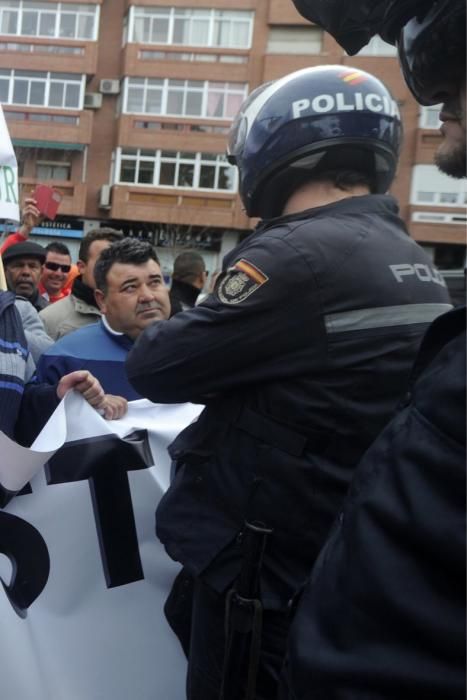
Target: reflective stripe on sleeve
x: 384, y: 317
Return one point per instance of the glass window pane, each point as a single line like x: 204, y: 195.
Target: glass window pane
x: 29, y: 24
x: 221, y: 33
x: 239, y: 35
x: 226, y: 178
x: 80, y: 7
x: 67, y: 26
x: 425, y: 196
x: 181, y: 31
x: 167, y: 174
x: 207, y: 177
x: 85, y: 27
x: 135, y: 100
x: 185, y: 175
x: 153, y: 101
x: 37, y: 93
x: 46, y: 24
x: 32, y: 4
x: 63, y: 76
x: 233, y: 104
x: 448, y: 197
x: 56, y: 94
x: 47, y: 171
x: 43, y: 172
x: 141, y: 30
x: 4, y: 84
x: 146, y: 172
x: 9, y: 23
x: 205, y: 57
x: 199, y: 32
x: 128, y: 171
x: 160, y: 31
x: 175, y: 102
x: 72, y: 95
x: 39, y: 117
x: 61, y: 172
x: 194, y: 103
x: 20, y: 92
x: 215, y: 106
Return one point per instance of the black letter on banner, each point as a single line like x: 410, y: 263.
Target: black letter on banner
x: 6, y: 495
x: 106, y: 460
x: 29, y: 557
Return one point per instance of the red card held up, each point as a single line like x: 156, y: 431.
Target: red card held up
x: 47, y: 200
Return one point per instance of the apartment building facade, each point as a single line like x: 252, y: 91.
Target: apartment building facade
x: 125, y: 107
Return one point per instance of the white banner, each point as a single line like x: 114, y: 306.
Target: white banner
x: 80, y: 562
x: 9, y: 208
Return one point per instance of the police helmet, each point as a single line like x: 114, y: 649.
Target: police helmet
x: 311, y: 121
x: 432, y: 51
x: 354, y: 23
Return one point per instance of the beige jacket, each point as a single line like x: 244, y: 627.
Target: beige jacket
x: 67, y: 315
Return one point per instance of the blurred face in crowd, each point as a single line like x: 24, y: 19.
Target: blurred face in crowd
x: 451, y: 155
x: 23, y: 275
x: 136, y: 296
x: 55, y: 271
x: 86, y: 269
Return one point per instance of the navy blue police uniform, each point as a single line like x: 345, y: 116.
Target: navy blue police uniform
x: 389, y: 586
x: 384, y: 613
x: 300, y: 356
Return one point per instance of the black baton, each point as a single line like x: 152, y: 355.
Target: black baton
x: 243, y: 616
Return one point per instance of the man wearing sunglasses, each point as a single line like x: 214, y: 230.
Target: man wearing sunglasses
x: 55, y: 271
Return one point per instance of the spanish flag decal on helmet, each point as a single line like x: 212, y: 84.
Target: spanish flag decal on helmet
x: 353, y: 77
x: 239, y: 281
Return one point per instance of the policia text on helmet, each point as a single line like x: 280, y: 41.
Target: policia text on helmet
x: 325, y: 122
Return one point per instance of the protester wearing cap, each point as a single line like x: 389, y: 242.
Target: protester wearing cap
x: 23, y: 267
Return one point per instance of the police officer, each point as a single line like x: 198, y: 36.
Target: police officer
x: 300, y: 354
x: 384, y: 613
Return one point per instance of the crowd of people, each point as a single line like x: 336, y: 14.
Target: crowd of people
x: 318, y: 503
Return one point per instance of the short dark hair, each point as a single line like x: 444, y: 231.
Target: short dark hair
x: 97, y: 234
x: 129, y: 251
x: 57, y: 247
x: 188, y: 266
x: 346, y: 179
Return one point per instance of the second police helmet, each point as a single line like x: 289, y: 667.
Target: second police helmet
x: 432, y: 50
x: 313, y: 120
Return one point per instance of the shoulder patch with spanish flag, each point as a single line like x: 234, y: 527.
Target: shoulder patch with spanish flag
x: 239, y: 282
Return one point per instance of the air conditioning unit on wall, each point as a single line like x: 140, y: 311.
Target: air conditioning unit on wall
x: 109, y: 87
x: 105, y: 197
x: 92, y: 100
